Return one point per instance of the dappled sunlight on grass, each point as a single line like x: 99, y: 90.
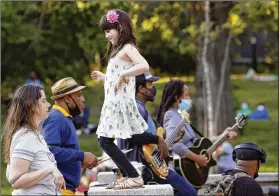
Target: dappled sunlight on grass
x: 183, y: 78
x: 165, y: 79
x: 265, y: 168
x: 261, y: 132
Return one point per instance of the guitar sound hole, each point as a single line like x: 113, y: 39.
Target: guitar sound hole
x: 203, y: 152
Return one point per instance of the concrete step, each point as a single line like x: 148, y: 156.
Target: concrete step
x: 266, y: 180
x: 106, y: 177
x: 163, y: 189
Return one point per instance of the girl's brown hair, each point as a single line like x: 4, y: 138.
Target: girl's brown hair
x: 125, y: 28
x: 20, y: 113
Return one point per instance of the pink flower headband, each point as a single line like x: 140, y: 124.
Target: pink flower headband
x: 112, y: 16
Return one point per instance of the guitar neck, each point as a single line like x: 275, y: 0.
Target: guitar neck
x: 220, y: 140
x: 170, y: 140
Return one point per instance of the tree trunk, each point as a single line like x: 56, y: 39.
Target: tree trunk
x: 206, y: 75
x: 219, y: 62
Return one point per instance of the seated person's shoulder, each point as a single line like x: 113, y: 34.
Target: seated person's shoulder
x: 140, y: 106
x: 142, y: 110
x: 246, y: 180
x: 25, y: 137
x: 170, y: 113
x: 54, y: 117
x: 55, y: 114
x: 247, y: 186
x: 171, y: 118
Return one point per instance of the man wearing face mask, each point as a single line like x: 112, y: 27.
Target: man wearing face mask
x: 60, y: 133
x: 146, y: 91
x: 241, y: 180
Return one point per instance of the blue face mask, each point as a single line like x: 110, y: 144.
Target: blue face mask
x: 185, y: 104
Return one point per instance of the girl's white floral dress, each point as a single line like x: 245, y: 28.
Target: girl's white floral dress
x: 120, y: 117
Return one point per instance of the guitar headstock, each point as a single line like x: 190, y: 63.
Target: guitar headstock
x: 240, y: 120
x: 184, y: 114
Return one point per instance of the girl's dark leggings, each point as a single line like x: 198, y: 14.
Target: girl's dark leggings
x: 118, y: 157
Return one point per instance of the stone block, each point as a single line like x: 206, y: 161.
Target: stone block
x: 163, y: 189
x: 106, y: 177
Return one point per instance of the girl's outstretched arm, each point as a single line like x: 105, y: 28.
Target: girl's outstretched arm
x: 141, y: 64
x: 98, y: 76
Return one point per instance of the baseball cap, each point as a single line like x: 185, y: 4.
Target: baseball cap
x: 146, y: 77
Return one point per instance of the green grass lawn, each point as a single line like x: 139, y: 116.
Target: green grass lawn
x: 264, y: 133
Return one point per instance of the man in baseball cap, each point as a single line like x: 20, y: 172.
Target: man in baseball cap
x: 146, y: 77
x: 60, y: 133
x: 146, y: 91
x: 144, y: 86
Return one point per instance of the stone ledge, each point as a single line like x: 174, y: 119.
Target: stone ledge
x: 163, y: 189
x: 265, y: 179
x: 105, y: 177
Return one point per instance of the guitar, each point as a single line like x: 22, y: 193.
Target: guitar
x: 190, y: 170
x: 152, y: 153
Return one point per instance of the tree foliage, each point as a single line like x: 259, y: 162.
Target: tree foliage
x: 59, y: 39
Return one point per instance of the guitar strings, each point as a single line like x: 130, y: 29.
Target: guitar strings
x: 173, y: 135
x: 168, y: 142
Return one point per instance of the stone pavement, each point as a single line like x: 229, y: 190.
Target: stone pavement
x: 267, y: 181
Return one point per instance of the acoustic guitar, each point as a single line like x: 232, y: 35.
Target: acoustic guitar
x: 152, y: 153
x: 190, y: 170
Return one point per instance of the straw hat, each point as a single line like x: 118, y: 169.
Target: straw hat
x: 65, y: 87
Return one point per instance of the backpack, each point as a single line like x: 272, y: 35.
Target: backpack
x: 224, y: 185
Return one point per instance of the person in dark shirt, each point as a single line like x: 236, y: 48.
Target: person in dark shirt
x: 240, y: 181
x: 247, y: 186
x: 248, y: 157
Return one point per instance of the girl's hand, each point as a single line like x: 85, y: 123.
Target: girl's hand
x: 119, y: 83
x: 59, y: 179
x: 97, y: 76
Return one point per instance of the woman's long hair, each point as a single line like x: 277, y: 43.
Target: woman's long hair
x: 126, y: 35
x: 20, y: 113
x: 172, y: 90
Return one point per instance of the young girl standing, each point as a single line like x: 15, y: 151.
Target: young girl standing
x: 120, y: 117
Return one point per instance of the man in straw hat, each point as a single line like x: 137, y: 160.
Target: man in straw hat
x: 60, y: 133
